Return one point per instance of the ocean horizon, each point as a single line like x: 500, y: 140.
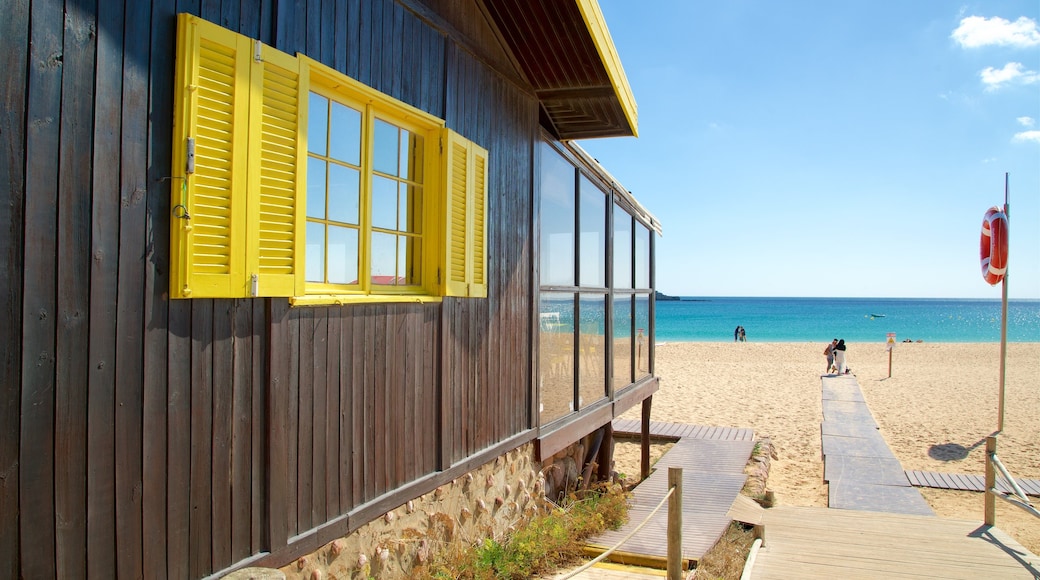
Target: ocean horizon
x: 782, y: 319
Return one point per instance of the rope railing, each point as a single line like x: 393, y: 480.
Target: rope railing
x: 602, y: 556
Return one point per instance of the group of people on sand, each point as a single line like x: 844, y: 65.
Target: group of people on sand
x: 835, y: 353
x: 739, y: 334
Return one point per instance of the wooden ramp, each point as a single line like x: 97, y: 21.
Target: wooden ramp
x: 825, y: 543
x: 963, y: 482
x: 713, y: 460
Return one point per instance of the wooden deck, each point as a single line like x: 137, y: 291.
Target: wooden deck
x: 805, y: 542
x: 964, y: 482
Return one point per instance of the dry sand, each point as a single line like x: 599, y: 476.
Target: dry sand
x: 935, y: 411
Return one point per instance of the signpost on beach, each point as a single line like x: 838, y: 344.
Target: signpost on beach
x: 890, y: 345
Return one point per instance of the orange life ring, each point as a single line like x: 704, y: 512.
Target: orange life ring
x: 993, y: 246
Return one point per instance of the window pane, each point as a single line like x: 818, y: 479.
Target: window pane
x: 556, y: 355
x: 344, y: 194
x: 409, y: 262
x: 642, y: 256
x: 315, y: 252
x: 593, y: 241
x: 343, y: 255
x: 622, y: 341
x: 642, y: 335
x: 557, y: 217
x: 317, y: 124
x: 384, y: 258
x: 384, y: 203
x: 384, y: 157
x: 315, y: 188
x: 411, y: 156
x: 592, y: 379
x: 622, y: 248
x: 345, y: 135
x: 410, y: 218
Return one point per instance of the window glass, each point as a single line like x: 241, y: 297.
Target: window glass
x: 344, y: 194
x: 384, y: 203
x: 593, y: 240
x: 592, y: 379
x: 642, y: 321
x: 343, y: 255
x: 642, y: 256
x: 345, y: 135
x: 556, y: 355
x: 317, y: 124
x: 316, y: 188
x: 408, y: 268
x: 557, y: 219
x: 384, y: 258
x: 622, y: 341
x: 384, y: 157
x: 622, y: 248
x: 315, y: 252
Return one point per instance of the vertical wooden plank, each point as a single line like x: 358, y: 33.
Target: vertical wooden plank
x: 294, y: 422
x: 393, y: 409
x: 223, y: 393
x: 328, y: 33
x: 364, y: 45
x: 332, y: 409
x: 305, y: 485
x: 266, y: 34
x: 199, y: 528
x: 353, y: 40
x: 319, y: 414
x: 411, y: 385
x: 242, y: 430
x: 14, y: 48
x: 259, y: 424
x: 380, y: 378
x: 346, y: 412
x: 73, y: 290
x: 314, y: 30
x: 130, y: 295
x: 370, y: 429
x: 359, y: 432
x: 278, y: 395
x: 395, y: 40
x: 445, y: 420
x: 39, y: 315
x: 250, y: 12
x: 179, y: 443
x: 339, y: 35
x: 430, y: 397
x: 157, y: 283
x: 101, y: 498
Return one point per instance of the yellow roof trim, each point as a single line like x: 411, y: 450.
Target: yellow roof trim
x: 597, y: 27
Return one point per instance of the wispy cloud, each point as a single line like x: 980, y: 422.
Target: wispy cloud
x: 1012, y: 73
x: 1027, y: 137
x: 979, y: 31
x: 1026, y: 121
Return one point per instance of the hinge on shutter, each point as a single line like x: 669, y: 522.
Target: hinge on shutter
x: 257, y: 51
x: 440, y: 144
x: 254, y: 286
x: 438, y: 276
x: 190, y: 166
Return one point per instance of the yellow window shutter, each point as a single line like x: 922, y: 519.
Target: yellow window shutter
x: 207, y: 231
x: 465, y: 174
x: 275, y: 252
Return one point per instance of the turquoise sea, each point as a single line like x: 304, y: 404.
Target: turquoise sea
x: 696, y: 319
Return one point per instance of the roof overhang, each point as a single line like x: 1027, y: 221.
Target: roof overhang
x: 566, y: 53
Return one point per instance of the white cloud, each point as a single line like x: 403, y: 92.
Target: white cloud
x: 1013, y: 72
x: 978, y: 31
x: 1027, y: 136
x: 1026, y: 121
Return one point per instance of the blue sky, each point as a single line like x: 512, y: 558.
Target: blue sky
x: 831, y: 148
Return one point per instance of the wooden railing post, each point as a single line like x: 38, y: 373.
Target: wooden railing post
x: 675, y: 524
x: 991, y: 482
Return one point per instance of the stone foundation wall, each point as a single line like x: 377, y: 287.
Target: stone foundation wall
x: 490, y: 501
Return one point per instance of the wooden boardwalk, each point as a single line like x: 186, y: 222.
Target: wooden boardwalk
x: 806, y: 542
x: 713, y: 460
x: 963, y: 482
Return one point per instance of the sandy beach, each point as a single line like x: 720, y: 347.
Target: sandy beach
x: 935, y: 411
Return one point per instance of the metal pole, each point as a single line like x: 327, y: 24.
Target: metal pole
x: 1003, y: 317
x: 675, y: 524
x: 890, y: 362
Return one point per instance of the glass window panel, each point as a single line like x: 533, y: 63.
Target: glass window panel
x: 344, y: 194
x: 592, y: 378
x: 557, y: 219
x: 315, y: 188
x: 593, y: 241
x: 556, y: 355
x: 384, y: 258
x: 411, y: 158
x: 408, y: 260
x: 384, y: 203
x: 315, y: 252
x: 622, y: 341
x: 345, y: 134
x: 622, y: 248
x: 642, y: 256
x: 642, y: 320
x: 343, y: 255
x: 317, y: 124
x: 410, y: 218
x: 384, y: 157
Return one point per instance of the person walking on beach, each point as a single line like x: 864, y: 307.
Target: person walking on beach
x: 736, y: 333
x: 743, y: 335
x: 829, y: 353
x: 839, y: 356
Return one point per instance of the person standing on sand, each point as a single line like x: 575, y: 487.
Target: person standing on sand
x: 839, y: 356
x: 829, y: 353
x: 743, y: 335
x: 736, y: 333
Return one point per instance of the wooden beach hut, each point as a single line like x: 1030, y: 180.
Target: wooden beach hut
x: 273, y: 268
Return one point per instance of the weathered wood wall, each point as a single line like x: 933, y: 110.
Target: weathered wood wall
x: 144, y: 437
